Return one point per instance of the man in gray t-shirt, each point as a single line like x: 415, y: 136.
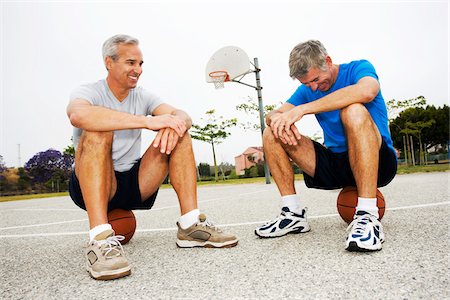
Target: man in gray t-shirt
x: 108, y: 117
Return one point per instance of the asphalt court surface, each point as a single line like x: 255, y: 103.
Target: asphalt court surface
x: 42, y: 249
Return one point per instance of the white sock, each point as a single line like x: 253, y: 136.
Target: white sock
x: 368, y: 205
x: 97, y: 230
x: 293, y: 202
x: 189, y: 219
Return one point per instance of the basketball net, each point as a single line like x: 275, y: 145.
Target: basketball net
x: 219, y: 78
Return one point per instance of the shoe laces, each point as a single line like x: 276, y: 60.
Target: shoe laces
x: 209, y: 224
x: 112, y: 247
x: 359, y: 224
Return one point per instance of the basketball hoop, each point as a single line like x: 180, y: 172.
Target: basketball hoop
x: 219, y: 78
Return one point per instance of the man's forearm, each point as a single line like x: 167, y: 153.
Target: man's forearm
x: 96, y: 118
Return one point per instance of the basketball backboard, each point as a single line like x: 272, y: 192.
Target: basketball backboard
x: 230, y: 59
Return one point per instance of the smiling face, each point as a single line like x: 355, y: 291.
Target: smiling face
x: 124, y: 72
x: 318, y: 79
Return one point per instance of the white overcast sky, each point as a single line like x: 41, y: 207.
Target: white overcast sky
x: 48, y: 48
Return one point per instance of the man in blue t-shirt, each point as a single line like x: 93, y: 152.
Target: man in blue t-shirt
x: 347, y: 102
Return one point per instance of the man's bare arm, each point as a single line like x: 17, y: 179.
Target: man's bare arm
x: 84, y: 115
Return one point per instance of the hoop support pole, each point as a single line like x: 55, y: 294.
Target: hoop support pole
x: 261, y: 114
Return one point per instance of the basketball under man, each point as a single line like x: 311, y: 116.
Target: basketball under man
x: 358, y: 151
x: 109, y: 173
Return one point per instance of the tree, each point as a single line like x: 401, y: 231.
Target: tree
x: 252, y: 108
x: 2, y: 165
x: 49, y: 165
x: 430, y: 125
x: 394, y: 108
x: 214, y: 132
x: 204, y: 169
x: 69, y: 150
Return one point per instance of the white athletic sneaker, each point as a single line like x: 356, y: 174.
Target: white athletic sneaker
x: 365, y: 233
x: 287, y: 222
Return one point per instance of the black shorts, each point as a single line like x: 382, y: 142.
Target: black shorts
x: 333, y: 170
x: 127, y: 195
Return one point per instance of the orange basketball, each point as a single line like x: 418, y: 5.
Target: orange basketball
x: 123, y: 223
x: 348, y: 199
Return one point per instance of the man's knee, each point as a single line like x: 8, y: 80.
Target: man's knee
x: 97, y: 140
x: 268, y: 136
x: 355, y: 115
x: 185, y: 141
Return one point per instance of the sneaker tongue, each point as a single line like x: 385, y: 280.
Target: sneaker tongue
x: 104, y: 235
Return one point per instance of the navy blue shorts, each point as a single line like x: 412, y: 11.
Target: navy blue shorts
x: 127, y: 195
x: 333, y: 170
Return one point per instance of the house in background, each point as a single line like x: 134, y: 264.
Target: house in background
x: 249, y: 158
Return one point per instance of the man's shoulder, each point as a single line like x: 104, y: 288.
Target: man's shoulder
x: 96, y: 85
x: 356, y: 63
x: 89, y: 91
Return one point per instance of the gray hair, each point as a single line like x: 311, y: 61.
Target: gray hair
x: 110, y: 45
x: 307, y: 55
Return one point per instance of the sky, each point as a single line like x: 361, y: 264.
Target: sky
x: 50, y: 47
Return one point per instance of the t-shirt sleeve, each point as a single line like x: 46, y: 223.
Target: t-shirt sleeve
x: 363, y: 69
x: 299, y: 97
x: 84, y: 92
x: 152, y: 101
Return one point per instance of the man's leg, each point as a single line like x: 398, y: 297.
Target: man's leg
x: 277, y: 155
x: 364, y: 142
x: 95, y: 172
x: 293, y: 216
x: 180, y: 165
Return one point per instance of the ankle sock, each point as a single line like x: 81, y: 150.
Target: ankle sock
x: 368, y: 205
x: 97, y: 230
x: 189, y: 219
x: 293, y: 202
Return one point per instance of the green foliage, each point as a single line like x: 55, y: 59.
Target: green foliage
x: 251, y: 172
x: 214, y: 132
x: 204, y: 169
x: 430, y: 122
x: 252, y: 108
x: 394, y: 107
x: 69, y: 150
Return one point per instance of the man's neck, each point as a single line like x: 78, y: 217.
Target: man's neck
x: 118, y: 92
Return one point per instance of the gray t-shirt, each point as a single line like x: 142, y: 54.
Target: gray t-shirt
x: 126, y: 148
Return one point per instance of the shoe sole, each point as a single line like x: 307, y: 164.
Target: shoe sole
x: 193, y: 244
x: 109, y: 275
x: 301, y: 229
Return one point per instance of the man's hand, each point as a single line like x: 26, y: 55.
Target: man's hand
x: 167, y: 121
x: 282, y: 125
x: 166, y: 140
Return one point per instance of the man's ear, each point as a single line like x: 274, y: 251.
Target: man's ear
x: 328, y: 60
x: 108, y: 63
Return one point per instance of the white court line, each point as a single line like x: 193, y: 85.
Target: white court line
x: 222, y: 225
x: 153, y: 209
x: 45, y: 224
x: 81, y: 220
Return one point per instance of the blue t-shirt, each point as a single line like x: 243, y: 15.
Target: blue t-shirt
x: 349, y: 74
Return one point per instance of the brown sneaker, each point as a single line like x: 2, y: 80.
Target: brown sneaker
x: 105, y: 258
x: 204, y: 234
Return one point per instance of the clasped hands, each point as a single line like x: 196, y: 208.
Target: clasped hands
x: 283, y: 127
x: 170, y: 129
